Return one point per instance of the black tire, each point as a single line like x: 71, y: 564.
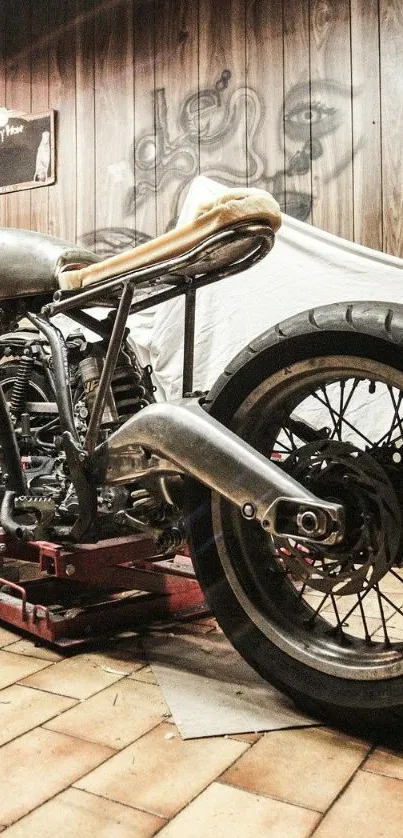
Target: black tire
x: 245, y: 580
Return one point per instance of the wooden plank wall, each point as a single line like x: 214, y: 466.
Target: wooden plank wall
x: 302, y: 97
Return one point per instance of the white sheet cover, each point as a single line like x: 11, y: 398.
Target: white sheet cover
x: 306, y: 267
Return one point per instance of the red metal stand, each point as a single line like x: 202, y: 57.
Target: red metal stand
x: 95, y: 589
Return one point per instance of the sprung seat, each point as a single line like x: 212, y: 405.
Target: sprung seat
x: 241, y: 205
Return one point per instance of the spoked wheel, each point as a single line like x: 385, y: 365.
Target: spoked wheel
x: 324, y: 624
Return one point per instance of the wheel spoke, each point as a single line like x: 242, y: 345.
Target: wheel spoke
x: 382, y: 613
x: 333, y: 414
x: 390, y: 602
x: 290, y: 437
x: 364, y: 621
x: 396, y: 575
x: 339, y: 626
x: 396, y: 423
x: 317, y: 611
x: 335, y: 419
x: 396, y: 415
x: 344, y: 405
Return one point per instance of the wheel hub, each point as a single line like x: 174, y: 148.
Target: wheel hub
x: 338, y: 471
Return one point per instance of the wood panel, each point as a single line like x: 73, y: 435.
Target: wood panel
x: 222, y: 100
x: 40, y: 88
x: 85, y: 116
x: 391, y: 34
x: 305, y: 98
x: 3, y: 59
x: 265, y: 96
x: 18, y: 92
x: 144, y: 209
x: 176, y: 105
x: 297, y: 112
x: 330, y: 116
x: 62, y: 97
x: 367, y: 158
x: 114, y: 113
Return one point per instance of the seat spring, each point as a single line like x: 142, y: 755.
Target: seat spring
x: 20, y: 387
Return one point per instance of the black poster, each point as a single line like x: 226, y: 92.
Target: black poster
x: 27, y: 150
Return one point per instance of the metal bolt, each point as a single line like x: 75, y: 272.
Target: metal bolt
x: 248, y: 511
x: 70, y: 570
x: 311, y: 523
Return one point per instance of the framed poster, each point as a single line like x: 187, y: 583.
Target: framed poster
x: 27, y: 150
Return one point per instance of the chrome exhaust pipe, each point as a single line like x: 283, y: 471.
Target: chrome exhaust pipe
x: 194, y: 443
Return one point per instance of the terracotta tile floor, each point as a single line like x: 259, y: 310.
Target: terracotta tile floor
x: 87, y: 747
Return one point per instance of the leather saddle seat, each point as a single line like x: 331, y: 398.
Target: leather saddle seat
x: 31, y: 263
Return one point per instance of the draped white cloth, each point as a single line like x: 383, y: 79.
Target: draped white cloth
x: 306, y: 267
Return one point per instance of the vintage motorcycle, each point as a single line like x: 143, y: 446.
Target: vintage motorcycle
x: 285, y: 479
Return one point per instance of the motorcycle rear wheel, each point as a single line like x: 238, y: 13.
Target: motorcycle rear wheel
x: 322, y: 395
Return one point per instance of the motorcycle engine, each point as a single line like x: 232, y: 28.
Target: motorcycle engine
x: 27, y: 379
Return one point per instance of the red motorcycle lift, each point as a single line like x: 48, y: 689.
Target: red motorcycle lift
x: 69, y: 597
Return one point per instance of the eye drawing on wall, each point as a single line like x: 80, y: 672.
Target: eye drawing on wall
x: 214, y: 120
x: 312, y: 115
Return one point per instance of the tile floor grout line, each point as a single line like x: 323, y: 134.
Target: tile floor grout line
x: 60, y: 733
x: 65, y: 657
x: 215, y: 780
x: 120, y: 751
x: 344, y: 788
x: 27, y: 657
x: 66, y: 695
x: 94, y: 741
x: 127, y: 805
x: 8, y: 648
x: 34, y: 808
x: 41, y: 726
x: 157, y: 814
x: 84, y: 791
x: 48, y: 665
x: 270, y: 796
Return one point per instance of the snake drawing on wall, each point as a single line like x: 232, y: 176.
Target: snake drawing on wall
x: 213, y: 118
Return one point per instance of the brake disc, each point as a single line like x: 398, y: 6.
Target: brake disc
x: 338, y: 471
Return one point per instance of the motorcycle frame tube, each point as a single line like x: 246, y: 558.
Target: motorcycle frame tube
x: 60, y: 367
x: 193, y: 441
x: 118, y: 331
x: 173, y: 271
x: 202, y: 447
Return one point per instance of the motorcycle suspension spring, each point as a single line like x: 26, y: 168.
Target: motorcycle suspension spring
x: 20, y: 387
x: 142, y: 502
x: 128, y: 392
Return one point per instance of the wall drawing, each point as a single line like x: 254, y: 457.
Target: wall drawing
x: 219, y: 120
x: 210, y: 119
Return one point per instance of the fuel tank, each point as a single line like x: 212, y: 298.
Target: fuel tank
x: 30, y: 262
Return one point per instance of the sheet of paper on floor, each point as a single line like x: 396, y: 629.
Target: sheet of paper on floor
x: 211, y: 691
